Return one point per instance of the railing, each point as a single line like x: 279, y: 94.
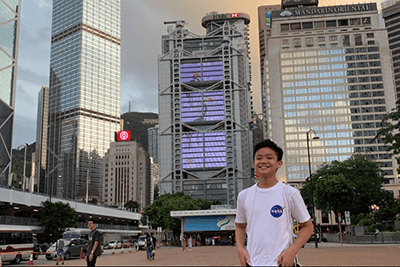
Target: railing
x: 365, y: 239
x: 10, y: 220
x: 109, y: 226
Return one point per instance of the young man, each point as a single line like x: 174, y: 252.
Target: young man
x: 264, y: 214
x: 60, y: 250
x: 94, y: 248
x: 149, y: 246
x: 154, y: 240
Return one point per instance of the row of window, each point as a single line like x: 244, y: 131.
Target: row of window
x: 325, y: 24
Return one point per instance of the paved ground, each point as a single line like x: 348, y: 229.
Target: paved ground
x: 328, y: 254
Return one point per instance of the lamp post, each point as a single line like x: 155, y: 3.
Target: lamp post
x: 312, y: 195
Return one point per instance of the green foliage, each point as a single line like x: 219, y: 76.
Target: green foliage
x: 398, y: 219
x: 352, y: 185
x: 56, y: 217
x: 391, y: 133
x: 132, y: 205
x: 362, y: 219
x: 158, y: 213
x: 365, y: 222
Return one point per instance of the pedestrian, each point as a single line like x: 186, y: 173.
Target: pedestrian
x: 153, y: 252
x: 376, y: 232
x: 60, y: 250
x: 264, y: 213
x: 149, y: 246
x: 94, y: 248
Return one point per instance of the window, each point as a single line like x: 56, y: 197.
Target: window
x: 319, y: 24
x: 307, y: 25
x: 331, y: 23
x: 343, y: 22
x: 295, y: 26
x: 370, y: 35
x: 297, y: 42
x: 285, y: 41
x: 309, y: 41
x: 284, y: 27
x: 355, y: 21
x: 366, y: 21
x: 321, y: 38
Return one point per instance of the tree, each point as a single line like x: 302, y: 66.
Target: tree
x: 132, y: 205
x: 391, y: 132
x: 352, y: 185
x: 56, y: 217
x: 158, y: 213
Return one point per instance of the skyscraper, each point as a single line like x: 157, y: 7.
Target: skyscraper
x: 205, y: 145
x: 9, y: 32
x: 41, y: 138
x: 329, y: 70
x: 84, y: 97
x: 391, y: 14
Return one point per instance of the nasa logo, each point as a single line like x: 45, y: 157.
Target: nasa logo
x: 124, y: 135
x: 277, y: 211
x: 234, y: 15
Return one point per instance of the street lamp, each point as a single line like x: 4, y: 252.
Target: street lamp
x: 312, y: 191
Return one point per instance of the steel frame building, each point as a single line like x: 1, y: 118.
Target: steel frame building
x: 205, y: 109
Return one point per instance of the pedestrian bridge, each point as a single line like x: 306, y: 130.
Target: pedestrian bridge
x: 18, y: 201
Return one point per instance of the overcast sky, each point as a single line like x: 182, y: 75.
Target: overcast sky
x: 141, y: 31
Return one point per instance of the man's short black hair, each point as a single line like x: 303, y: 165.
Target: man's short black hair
x: 270, y: 144
x: 92, y: 220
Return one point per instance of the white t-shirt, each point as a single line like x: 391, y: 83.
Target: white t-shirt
x: 268, y: 224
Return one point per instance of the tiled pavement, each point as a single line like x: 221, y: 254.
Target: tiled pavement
x: 328, y: 254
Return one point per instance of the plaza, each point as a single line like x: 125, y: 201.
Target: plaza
x: 328, y: 254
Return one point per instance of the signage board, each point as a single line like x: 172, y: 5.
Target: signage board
x: 124, y: 136
x: 209, y: 223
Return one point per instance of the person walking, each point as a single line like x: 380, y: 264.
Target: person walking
x: 153, y: 252
x: 149, y: 246
x: 60, y: 250
x: 94, y: 248
x: 264, y: 212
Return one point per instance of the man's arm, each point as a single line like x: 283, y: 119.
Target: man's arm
x: 240, y: 234
x: 287, y: 256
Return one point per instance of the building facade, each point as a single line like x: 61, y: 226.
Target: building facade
x: 205, y: 140
x: 84, y: 97
x: 329, y: 74
x: 153, y: 143
x: 391, y: 15
x: 9, y: 35
x: 41, y: 138
x: 126, y: 175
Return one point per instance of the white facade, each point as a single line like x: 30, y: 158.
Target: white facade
x: 328, y: 69
x: 126, y: 170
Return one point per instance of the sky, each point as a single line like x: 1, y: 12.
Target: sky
x: 142, y: 25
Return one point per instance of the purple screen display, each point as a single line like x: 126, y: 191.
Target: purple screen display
x: 202, y: 107
x: 203, y: 150
x: 202, y: 72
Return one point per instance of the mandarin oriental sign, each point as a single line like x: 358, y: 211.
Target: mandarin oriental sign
x: 325, y: 10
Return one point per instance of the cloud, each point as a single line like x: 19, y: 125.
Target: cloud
x: 22, y: 94
x: 42, y: 4
x: 29, y: 76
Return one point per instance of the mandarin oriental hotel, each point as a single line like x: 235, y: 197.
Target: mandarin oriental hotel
x: 328, y: 70
x: 205, y: 139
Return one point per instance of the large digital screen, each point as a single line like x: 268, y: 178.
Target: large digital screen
x: 209, y: 223
x: 202, y: 107
x: 203, y: 150
x: 201, y: 72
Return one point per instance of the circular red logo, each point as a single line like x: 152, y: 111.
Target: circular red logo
x: 124, y: 135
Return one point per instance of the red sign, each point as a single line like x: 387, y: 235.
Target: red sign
x: 234, y: 15
x: 124, y: 136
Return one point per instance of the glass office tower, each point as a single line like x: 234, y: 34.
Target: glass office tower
x: 9, y: 31
x: 84, y: 97
x: 205, y: 145
x: 328, y: 70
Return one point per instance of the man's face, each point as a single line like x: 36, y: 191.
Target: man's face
x: 266, y: 162
x: 91, y: 225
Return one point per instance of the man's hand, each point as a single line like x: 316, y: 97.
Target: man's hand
x: 243, y: 256
x: 90, y: 257
x: 286, y: 258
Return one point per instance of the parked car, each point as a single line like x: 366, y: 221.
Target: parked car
x: 142, y: 242
x: 72, y: 248
x: 114, y: 244
x: 106, y: 245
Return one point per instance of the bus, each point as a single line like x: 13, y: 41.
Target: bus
x: 16, y: 243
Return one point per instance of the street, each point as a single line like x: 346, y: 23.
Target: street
x: 328, y: 254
